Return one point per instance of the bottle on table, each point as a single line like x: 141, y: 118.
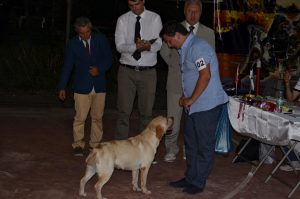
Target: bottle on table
x: 279, y: 101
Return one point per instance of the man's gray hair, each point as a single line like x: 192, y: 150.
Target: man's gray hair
x: 82, y: 22
x: 193, y: 2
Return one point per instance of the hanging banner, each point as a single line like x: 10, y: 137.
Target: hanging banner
x: 269, y: 30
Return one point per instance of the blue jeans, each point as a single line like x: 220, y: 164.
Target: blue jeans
x: 199, y: 138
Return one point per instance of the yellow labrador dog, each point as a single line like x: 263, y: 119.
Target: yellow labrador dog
x: 135, y: 154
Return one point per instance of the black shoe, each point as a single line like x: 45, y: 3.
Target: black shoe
x: 180, y: 183
x: 192, y: 189
x: 78, y: 151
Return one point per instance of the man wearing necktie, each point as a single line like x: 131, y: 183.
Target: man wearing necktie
x: 90, y: 56
x: 192, y: 12
x: 137, y: 40
x: 191, y: 28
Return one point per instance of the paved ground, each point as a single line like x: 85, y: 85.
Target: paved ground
x: 36, y: 162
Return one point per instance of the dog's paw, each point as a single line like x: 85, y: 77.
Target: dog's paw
x: 82, y: 194
x: 146, y: 191
x: 136, y: 188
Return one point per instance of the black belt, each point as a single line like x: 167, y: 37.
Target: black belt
x: 138, y: 68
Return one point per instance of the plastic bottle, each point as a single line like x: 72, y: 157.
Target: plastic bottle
x: 279, y: 102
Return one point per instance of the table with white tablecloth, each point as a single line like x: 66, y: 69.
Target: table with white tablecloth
x: 268, y: 127
x: 276, y: 129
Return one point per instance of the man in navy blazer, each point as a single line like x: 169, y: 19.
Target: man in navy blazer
x: 89, y: 55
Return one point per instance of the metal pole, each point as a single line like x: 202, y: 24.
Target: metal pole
x: 68, y: 21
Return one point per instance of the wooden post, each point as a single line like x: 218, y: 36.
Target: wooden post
x: 68, y: 20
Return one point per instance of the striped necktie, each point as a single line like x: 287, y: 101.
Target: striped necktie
x: 191, y: 29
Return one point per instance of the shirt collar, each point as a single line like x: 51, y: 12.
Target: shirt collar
x: 82, y: 39
x: 187, y: 25
x: 141, y: 15
x: 187, y: 42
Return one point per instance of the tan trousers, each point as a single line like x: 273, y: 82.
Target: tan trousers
x: 93, y: 102
x: 174, y: 110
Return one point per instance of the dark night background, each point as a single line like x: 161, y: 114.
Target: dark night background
x: 33, y: 37
x: 29, y: 15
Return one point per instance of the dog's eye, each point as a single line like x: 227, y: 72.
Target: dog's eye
x: 167, y: 121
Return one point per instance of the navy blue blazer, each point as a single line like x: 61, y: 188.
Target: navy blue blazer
x: 78, y: 59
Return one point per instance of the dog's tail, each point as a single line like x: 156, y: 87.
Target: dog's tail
x: 91, y: 159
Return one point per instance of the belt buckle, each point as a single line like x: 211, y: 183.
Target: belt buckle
x: 137, y: 68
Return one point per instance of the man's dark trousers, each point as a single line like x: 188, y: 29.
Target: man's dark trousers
x: 199, y: 138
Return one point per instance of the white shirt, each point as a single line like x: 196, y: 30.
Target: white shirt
x: 196, y: 26
x: 151, y: 26
x: 297, y: 86
x: 89, y: 41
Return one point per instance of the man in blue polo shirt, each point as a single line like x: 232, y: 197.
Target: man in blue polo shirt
x: 202, y: 100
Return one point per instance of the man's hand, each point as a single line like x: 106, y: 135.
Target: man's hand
x: 287, y: 77
x: 185, y: 102
x: 94, y: 71
x: 61, y: 95
x: 143, y: 45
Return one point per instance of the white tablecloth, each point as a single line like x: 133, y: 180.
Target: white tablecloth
x: 271, y: 128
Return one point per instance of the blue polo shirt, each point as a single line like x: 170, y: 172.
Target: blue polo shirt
x: 195, y: 53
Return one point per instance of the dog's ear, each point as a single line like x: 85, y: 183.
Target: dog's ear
x: 152, y: 127
x: 159, y: 132
x: 153, y: 124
